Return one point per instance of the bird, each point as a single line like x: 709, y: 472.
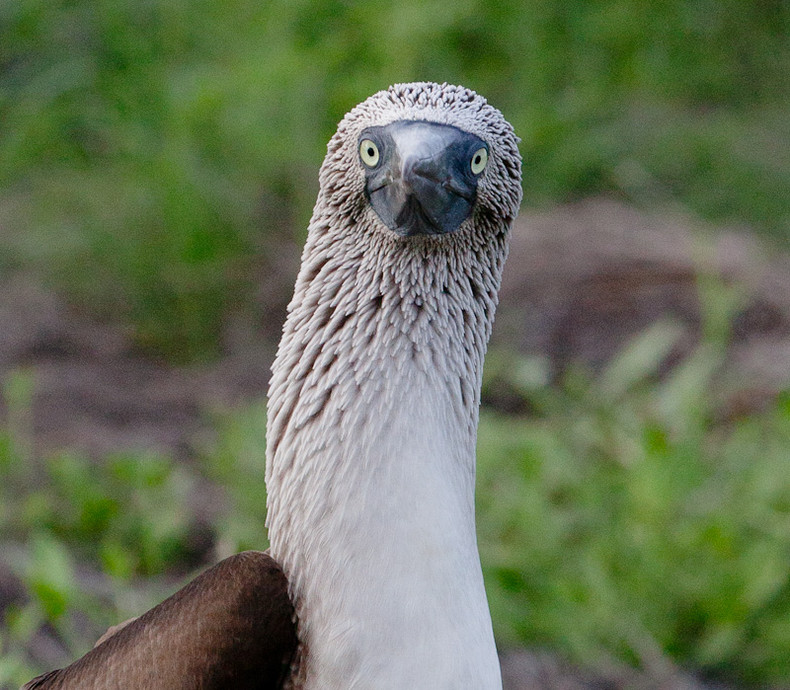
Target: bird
x: 373, y: 576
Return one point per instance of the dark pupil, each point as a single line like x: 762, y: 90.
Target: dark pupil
x: 477, y: 160
x: 371, y: 152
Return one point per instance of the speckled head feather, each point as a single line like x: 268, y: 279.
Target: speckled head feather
x: 500, y: 188
x: 372, y: 419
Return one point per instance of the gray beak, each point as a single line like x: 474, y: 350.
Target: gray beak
x: 421, y: 177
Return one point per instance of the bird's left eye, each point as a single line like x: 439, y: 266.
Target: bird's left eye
x: 369, y: 153
x: 479, y: 160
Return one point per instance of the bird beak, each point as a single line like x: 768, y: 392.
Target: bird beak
x: 422, y: 183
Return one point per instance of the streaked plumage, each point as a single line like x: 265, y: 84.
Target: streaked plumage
x: 373, y: 404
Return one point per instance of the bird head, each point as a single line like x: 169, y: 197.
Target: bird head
x: 424, y: 159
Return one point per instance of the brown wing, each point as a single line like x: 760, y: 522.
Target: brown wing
x: 231, y: 627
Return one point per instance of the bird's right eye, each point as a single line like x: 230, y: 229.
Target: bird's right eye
x: 369, y: 153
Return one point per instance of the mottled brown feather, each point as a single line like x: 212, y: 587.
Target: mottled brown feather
x: 231, y: 627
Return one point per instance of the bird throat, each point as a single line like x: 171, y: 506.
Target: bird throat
x: 370, y: 470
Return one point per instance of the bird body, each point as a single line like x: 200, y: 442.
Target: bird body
x: 373, y: 411
x: 373, y: 402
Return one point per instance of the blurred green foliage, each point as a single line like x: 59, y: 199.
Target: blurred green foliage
x: 630, y: 523
x: 96, y: 542
x: 129, y: 512
x: 625, y: 523
x: 150, y: 151
x: 234, y: 462
x: 625, y: 540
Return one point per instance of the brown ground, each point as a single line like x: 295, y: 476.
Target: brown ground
x: 581, y: 280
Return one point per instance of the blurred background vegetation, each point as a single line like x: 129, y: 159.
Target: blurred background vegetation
x: 150, y: 150
x: 155, y: 158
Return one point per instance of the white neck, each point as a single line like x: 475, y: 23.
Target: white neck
x: 370, y: 473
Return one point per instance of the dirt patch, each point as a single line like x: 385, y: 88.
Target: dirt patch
x: 541, y: 670
x: 92, y: 391
x: 583, y: 279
